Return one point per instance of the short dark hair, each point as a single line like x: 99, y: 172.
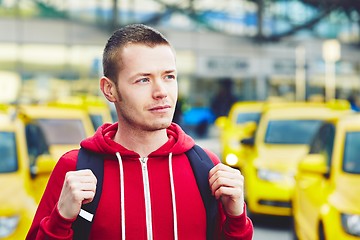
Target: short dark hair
x: 130, y: 34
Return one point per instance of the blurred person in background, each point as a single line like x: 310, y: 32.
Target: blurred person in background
x: 224, y: 99
x: 149, y: 189
x: 178, y: 114
x: 353, y: 103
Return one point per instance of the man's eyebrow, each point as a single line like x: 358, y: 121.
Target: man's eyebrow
x: 142, y: 74
x: 170, y: 71
x: 145, y: 74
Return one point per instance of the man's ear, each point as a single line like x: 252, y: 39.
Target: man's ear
x: 108, y: 88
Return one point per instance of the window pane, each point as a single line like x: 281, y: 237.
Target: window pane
x: 247, y: 117
x: 62, y: 131
x: 291, y: 131
x: 8, y: 156
x: 351, y: 161
x: 96, y: 120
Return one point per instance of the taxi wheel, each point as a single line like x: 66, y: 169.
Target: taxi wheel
x: 321, y: 232
x: 294, y: 235
x: 293, y: 230
x: 248, y: 212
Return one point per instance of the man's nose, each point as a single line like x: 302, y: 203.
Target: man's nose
x: 159, y: 89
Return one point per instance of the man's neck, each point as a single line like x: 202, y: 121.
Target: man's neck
x: 139, y: 141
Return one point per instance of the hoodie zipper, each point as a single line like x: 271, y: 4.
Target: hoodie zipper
x: 145, y: 175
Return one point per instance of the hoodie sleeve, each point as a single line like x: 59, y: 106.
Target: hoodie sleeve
x: 232, y: 227
x: 48, y: 223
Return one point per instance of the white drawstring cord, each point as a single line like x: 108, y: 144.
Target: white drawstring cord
x: 122, y: 201
x: 173, y: 197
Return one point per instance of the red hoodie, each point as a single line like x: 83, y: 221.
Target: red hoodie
x: 190, y: 213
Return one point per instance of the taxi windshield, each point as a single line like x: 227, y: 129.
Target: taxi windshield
x: 62, y: 131
x: 248, y: 117
x: 8, y: 155
x: 291, y: 131
x: 351, y: 162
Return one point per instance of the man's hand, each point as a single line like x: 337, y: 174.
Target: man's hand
x: 227, y: 184
x: 79, y: 188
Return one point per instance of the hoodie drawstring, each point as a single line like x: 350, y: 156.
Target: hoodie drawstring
x: 173, y: 197
x: 122, y: 197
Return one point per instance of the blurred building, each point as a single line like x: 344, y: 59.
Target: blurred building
x: 55, y: 39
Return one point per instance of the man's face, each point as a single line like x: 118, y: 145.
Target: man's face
x: 147, y: 87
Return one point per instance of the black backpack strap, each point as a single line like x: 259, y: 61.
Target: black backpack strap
x: 201, y: 165
x: 83, y: 223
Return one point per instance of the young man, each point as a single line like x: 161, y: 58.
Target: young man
x: 149, y: 189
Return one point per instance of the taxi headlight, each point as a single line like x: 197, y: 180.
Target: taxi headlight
x: 231, y: 159
x: 8, y: 225
x: 351, y: 224
x: 269, y: 175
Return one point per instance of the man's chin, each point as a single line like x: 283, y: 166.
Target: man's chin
x: 160, y: 125
x: 164, y: 125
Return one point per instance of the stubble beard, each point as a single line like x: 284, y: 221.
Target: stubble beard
x: 142, y: 125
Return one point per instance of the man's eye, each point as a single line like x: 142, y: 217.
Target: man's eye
x: 170, y: 77
x: 143, y: 80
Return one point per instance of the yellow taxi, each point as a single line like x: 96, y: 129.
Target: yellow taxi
x: 98, y: 109
x: 24, y: 170
x: 283, y: 136
x: 240, y: 123
x: 63, y: 127
x: 326, y: 201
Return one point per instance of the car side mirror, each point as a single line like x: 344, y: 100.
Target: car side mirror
x: 43, y: 166
x: 250, y: 128
x: 248, y: 142
x: 314, y: 163
x: 221, y: 122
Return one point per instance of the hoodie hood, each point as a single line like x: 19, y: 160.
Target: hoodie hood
x: 102, y: 142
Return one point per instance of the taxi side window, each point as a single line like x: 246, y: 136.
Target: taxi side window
x: 36, y: 142
x: 323, y: 142
x: 96, y: 120
x: 8, y: 154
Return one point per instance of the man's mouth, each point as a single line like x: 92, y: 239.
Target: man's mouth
x: 161, y: 108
